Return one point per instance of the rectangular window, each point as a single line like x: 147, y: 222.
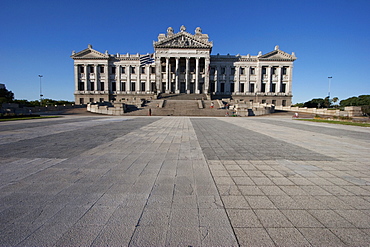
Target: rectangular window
x: 91, y: 100
x: 232, y: 87
x: 233, y: 71
x: 132, y: 70
x: 143, y: 86
x: 222, y: 88
x: 223, y: 70
x: 263, y: 87
x: 283, y: 102
x: 252, y: 71
x: 212, y: 71
x: 91, y: 69
x: 264, y: 71
x: 81, y: 86
x: 242, y: 87
x: 81, y: 101
x: 101, y: 69
x: 152, y: 70
x: 283, y: 88
x: 123, y: 86
x: 101, y: 86
x: 153, y: 87
x: 82, y: 69
x: 123, y: 70
x: 133, y: 86
x: 114, y: 86
x: 113, y: 70
x: 251, y: 87
x: 163, y: 68
x: 263, y: 101
x: 242, y: 71
x: 273, y: 87
x: 273, y: 70
x: 284, y: 70
x: 101, y: 99
x: 274, y: 101
x: 142, y: 70
x: 92, y: 88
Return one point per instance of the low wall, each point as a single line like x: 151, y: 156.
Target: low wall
x: 107, y: 108
x: 349, y: 111
x: 16, y: 109
x: 256, y: 109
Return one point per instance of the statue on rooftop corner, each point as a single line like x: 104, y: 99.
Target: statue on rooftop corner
x: 198, y: 30
x: 182, y: 28
x: 169, y: 31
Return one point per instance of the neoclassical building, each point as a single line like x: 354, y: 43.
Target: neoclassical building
x: 182, y: 63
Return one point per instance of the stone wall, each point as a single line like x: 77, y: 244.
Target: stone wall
x: 349, y: 111
x: 106, y: 108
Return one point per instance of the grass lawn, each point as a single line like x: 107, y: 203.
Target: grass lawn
x: 336, y: 122
x: 25, y: 118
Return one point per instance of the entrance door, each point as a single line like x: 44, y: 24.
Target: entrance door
x: 182, y: 87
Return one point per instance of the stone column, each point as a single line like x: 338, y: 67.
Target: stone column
x: 77, y: 75
x: 197, y: 75
x: 237, y: 80
x: 177, y: 76
x: 290, y: 78
x: 257, y: 86
x: 227, y: 83
x: 168, y: 72
x: 138, y: 82
x: 218, y: 82
x: 206, y: 78
x: 187, y: 75
x: 118, y: 78
x: 96, y: 72
x: 158, y: 74
x: 247, y: 75
x: 147, y: 86
x: 278, y: 84
x: 268, y: 84
x: 107, y: 81
x: 128, y: 78
x: 87, y: 78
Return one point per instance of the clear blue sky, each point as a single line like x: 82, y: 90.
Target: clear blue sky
x: 329, y: 37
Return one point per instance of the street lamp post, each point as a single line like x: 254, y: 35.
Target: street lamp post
x: 40, y: 91
x: 329, y: 85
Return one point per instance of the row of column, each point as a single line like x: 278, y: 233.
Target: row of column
x: 259, y: 78
x: 167, y: 74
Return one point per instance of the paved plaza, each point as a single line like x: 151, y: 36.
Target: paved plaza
x: 183, y: 181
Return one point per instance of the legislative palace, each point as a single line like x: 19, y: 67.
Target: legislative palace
x: 182, y: 64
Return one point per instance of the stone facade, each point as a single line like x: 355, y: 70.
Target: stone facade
x: 182, y: 63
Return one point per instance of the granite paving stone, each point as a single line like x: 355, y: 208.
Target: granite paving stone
x: 183, y: 181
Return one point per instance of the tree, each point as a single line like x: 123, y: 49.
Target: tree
x: 315, y: 103
x: 6, y: 96
x: 356, y: 101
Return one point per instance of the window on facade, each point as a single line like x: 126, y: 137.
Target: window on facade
x: 101, y: 86
x: 182, y: 69
x: 233, y: 71
x: 273, y: 70
x: 223, y: 70
x: 251, y: 87
x: 142, y: 70
x: 123, y: 86
x: 252, y: 71
x: 82, y: 69
x: 132, y: 70
x: 222, y: 89
x: 273, y: 87
x: 242, y: 71
x: 101, y: 69
x: 101, y: 99
x: 212, y: 71
x: 283, y: 88
x: 91, y: 69
x: 232, y: 87
x: 284, y: 70
x: 91, y: 100
x: 152, y: 70
x: 113, y: 70
x: 263, y: 87
x: 242, y: 87
x: 123, y: 70
x: 153, y: 87
x: 81, y: 101
x: 283, y: 102
x: 143, y: 86
x: 81, y: 86
x: 114, y: 86
x: 263, y: 101
x: 92, y: 88
x: 274, y: 101
x: 133, y: 86
x: 163, y: 69
x: 264, y: 71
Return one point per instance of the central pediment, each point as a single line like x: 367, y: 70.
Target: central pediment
x: 278, y: 55
x: 183, y: 40
x: 89, y: 53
